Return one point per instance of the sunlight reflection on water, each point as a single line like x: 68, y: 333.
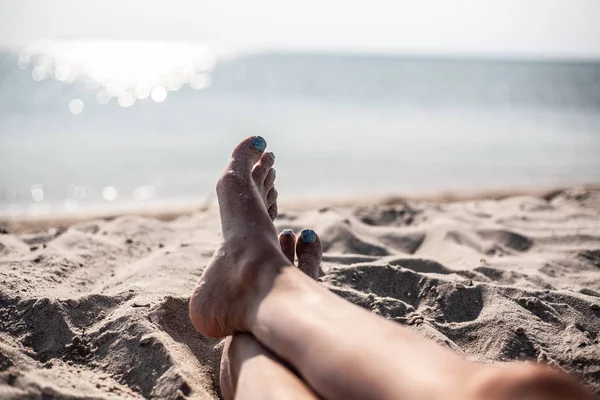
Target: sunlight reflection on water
x: 125, y: 70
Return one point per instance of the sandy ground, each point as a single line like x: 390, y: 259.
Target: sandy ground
x: 98, y: 308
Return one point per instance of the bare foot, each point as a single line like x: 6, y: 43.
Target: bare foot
x: 310, y: 255
x: 249, y: 259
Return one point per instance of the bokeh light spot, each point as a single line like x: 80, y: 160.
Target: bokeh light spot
x: 200, y: 81
x: 76, y: 106
x: 25, y: 56
x: 144, y: 192
x: 159, y: 94
x: 39, y: 73
x: 142, y: 92
x: 127, y: 99
x: 110, y: 193
x: 37, y: 192
x: 62, y: 73
x: 103, y: 96
x: 76, y: 191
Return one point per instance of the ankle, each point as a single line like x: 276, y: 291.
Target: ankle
x: 257, y: 269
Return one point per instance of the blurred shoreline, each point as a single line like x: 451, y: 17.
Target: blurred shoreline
x: 165, y: 212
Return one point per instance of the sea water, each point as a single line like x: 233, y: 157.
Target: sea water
x: 76, y: 138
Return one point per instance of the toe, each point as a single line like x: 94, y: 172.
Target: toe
x: 309, y: 252
x: 273, y: 212
x: 287, y: 241
x: 270, y: 179
x: 247, y: 153
x: 242, y: 203
x: 272, y: 196
x: 262, y: 168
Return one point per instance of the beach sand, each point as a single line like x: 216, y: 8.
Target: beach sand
x: 98, y: 308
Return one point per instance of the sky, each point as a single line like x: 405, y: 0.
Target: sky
x: 518, y: 28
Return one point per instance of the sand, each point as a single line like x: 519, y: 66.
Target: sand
x: 98, y: 308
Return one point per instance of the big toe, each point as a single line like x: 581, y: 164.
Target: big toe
x: 241, y: 202
x: 309, y: 252
x: 247, y: 153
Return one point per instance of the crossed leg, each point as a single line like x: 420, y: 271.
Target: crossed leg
x: 341, y: 350
x: 251, y: 371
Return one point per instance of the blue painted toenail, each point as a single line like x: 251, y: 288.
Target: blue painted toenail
x: 309, y: 236
x: 287, y: 232
x: 259, y: 143
x: 272, y: 155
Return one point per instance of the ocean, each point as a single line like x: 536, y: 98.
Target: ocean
x: 80, y: 136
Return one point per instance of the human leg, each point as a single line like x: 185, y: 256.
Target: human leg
x: 248, y: 369
x: 340, y: 349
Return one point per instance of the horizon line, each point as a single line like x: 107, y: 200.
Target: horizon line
x: 343, y: 51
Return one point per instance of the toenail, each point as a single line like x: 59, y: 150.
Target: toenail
x: 288, y: 231
x: 309, y: 236
x: 274, y: 170
x: 259, y: 143
x: 272, y: 155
